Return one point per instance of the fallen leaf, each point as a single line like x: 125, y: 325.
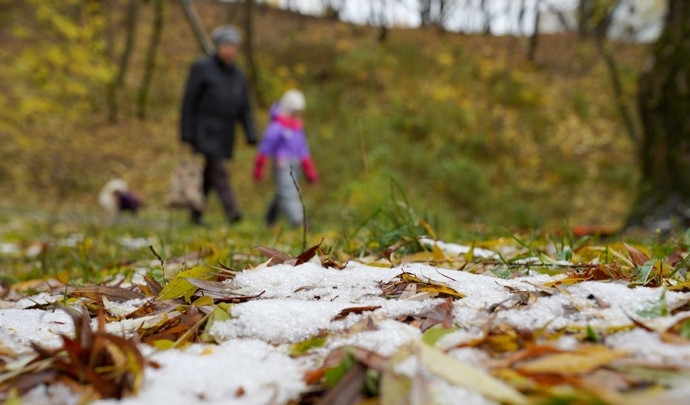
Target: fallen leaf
x: 441, y: 289
x: 432, y: 335
x: 349, y: 388
x: 179, y: 287
x: 586, y: 359
x: 308, y: 254
x: 298, y: 349
x: 524, y: 354
x: 637, y: 256
x: 110, y: 364
x: 355, y: 310
x: 276, y: 256
x: 464, y: 375
x: 440, y: 314
x: 95, y: 293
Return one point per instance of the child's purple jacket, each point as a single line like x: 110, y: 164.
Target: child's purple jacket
x: 283, y: 142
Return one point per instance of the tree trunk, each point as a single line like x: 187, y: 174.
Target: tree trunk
x: 249, y: 49
x: 585, y: 10
x: 150, y: 64
x: 425, y: 11
x: 118, y: 79
x: 486, y: 30
x: 382, y: 22
x: 198, y: 29
x: 664, y: 104
x: 534, y: 39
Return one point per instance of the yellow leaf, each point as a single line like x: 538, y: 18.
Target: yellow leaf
x: 467, y: 376
x: 180, y: 287
x: 438, y: 254
x: 430, y: 287
x: 163, y: 344
x: 584, y: 360
x: 203, y: 301
x: 680, y: 287
x: 419, y: 257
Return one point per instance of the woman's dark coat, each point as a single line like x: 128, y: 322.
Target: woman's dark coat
x: 216, y: 97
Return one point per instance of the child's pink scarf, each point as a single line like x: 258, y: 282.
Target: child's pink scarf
x: 292, y: 123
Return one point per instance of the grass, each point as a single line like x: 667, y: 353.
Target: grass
x: 80, y: 249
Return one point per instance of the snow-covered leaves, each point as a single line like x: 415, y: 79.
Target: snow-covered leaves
x: 512, y: 323
x: 97, y: 364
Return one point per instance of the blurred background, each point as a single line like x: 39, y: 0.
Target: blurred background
x: 517, y: 113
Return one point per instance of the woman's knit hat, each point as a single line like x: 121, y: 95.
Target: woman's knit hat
x: 292, y: 101
x: 226, y: 34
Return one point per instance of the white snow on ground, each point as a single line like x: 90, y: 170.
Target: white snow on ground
x: 290, y: 321
x: 386, y: 340
x: 453, y: 249
x: 20, y: 327
x: 599, y: 305
x: 251, y: 364
x: 39, y: 299
x: 236, y: 372
x: 649, y: 347
x: 447, y: 393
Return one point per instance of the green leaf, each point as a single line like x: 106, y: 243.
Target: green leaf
x: 645, y: 270
x: 179, y: 287
x: 565, y: 254
x: 592, y: 335
x: 655, y: 309
x: 301, y: 348
x: 333, y: 375
x: 220, y: 313
x: 433, y: 335
x: 371, y: 382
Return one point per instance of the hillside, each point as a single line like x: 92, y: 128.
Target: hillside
x: 470, y: 130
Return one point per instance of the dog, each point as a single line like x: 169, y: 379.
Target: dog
x: 116, y: 197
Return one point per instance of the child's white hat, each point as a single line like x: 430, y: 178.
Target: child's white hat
x: 292, y: 101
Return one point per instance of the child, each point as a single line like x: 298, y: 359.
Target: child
x: 285, y: 143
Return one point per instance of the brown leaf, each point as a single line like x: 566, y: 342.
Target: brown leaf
x: 277, y: 257
x: 601, y: 271
x: 349, y: 390
x: 235, y: 299
x: 637, y: 256
x: 95, y: 293
x: 26, y: 382
x: 441, y: 313
x: 675, y: 257
x: 355, y: 310
x: 171, y: 329
x: 109, y: 364
x: 431, y: 286
x: 308, y: 254
x: 332, y: 263
x: 152, y: 307
x: 393, y: 288
x: 153, y: 285
x: 216, y: 287
x: 369, y: 358
x: 525, y: 354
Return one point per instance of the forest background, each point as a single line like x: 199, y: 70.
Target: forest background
x: 511, y: 130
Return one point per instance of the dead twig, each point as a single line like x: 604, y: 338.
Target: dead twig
x: 304, y: 210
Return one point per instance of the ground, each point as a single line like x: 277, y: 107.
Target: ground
x: 450, y: 323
